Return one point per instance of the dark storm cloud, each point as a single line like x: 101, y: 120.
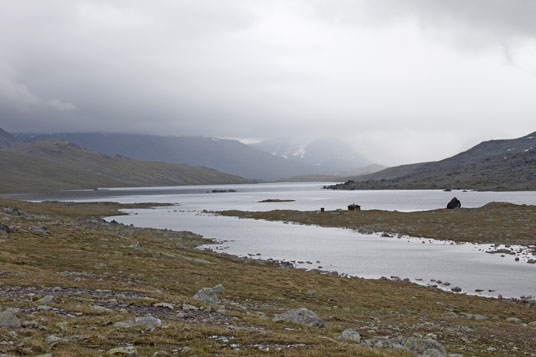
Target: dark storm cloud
x: 402, y: 80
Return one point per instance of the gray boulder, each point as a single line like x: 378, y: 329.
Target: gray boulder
x: 136, y: 246
x: 47, y: 299
x: 351, y: 335
x: 9, y: 318
x: 147, y: 322
x: 425, y: 346
x: 208, y: 295
x: 123, y: 351
x: 301, y: 316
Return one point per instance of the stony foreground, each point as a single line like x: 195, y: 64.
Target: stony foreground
x: 72, y: 284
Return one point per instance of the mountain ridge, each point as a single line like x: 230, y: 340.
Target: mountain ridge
x: 226, y: 155
x: 505, y: 164
x: 57, y: 164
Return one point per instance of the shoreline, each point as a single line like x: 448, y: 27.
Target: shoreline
x: 496, y: 223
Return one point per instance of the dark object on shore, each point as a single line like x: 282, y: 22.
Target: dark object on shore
x: 321, y: 209
x: 222, y: 191
x: 447, y: 190
x: 354, y: 207
x: 454, y: 203
x: 275, y: 200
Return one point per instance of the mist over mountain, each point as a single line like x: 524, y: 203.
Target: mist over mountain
x: 329, y: 155
x: 230, y: 156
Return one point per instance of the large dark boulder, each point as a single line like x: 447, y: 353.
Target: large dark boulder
x: 454, y: 203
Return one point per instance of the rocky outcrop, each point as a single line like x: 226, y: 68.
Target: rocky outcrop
x: 302, y: 316
x: 454, y: 203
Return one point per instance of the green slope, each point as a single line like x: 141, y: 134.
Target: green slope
x: 57, y: 164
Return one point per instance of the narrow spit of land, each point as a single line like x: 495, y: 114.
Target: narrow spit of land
x: 73, y: 284
x: 495, y: 222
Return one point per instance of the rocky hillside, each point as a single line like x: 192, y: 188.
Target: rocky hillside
x: 492, y: 165
x: 57, y: 164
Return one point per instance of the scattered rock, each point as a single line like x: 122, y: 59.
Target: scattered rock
x: 301, y: 316
x: 53, y: 339
x: 351, y: 335
x: 454, y: 203
x: 425, y: 347
x: 99, y: 308
x: 147, y: 322
x: 136, y: 246
x: 415, y: 345
x: 40, y: 230
x: 30, y: 324
x: 188, y: 307
x: 531, y: 261
x: 9, y: 318
x: 456, y: 289
x: 15, y: 211
x: 45, y: 300
x: 123, y: 351
x: 207, y: 295
x: 164, y: 305
x: 514, y: 320
x: 218, y: 288
x: 4, y: 228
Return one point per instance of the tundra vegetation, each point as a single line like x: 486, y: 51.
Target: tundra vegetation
x: 74, y: 284
x: 495, y: 222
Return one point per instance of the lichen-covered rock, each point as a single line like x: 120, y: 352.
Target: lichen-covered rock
x: 425, y: 346
x: 9, y: 318
x: 147, y: 322
x: 207, y: 295
x: 415, y: 345
x: 302, y: 316
x: 351, y: 335
x: 129, y: 351
x: 45, y: 300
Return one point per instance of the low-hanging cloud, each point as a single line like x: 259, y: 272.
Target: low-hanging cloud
x: 401, y: 80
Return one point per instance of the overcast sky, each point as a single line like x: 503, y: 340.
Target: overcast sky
x: 401, y: 80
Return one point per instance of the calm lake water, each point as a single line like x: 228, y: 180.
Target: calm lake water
x: 333, y: 249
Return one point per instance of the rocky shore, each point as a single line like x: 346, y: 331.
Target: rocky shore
x: 73, y: 284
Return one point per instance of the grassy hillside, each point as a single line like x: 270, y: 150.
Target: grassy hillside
x: 56, y: 164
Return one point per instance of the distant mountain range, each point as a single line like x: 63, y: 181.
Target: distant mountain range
x: 56, y: 164
x: 490, y: 165
x: 329, y: 156
x: 230, y: 156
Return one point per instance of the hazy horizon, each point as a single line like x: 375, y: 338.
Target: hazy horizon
x: 400, y: 81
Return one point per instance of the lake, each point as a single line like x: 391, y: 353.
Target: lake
x: 333, y: 249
